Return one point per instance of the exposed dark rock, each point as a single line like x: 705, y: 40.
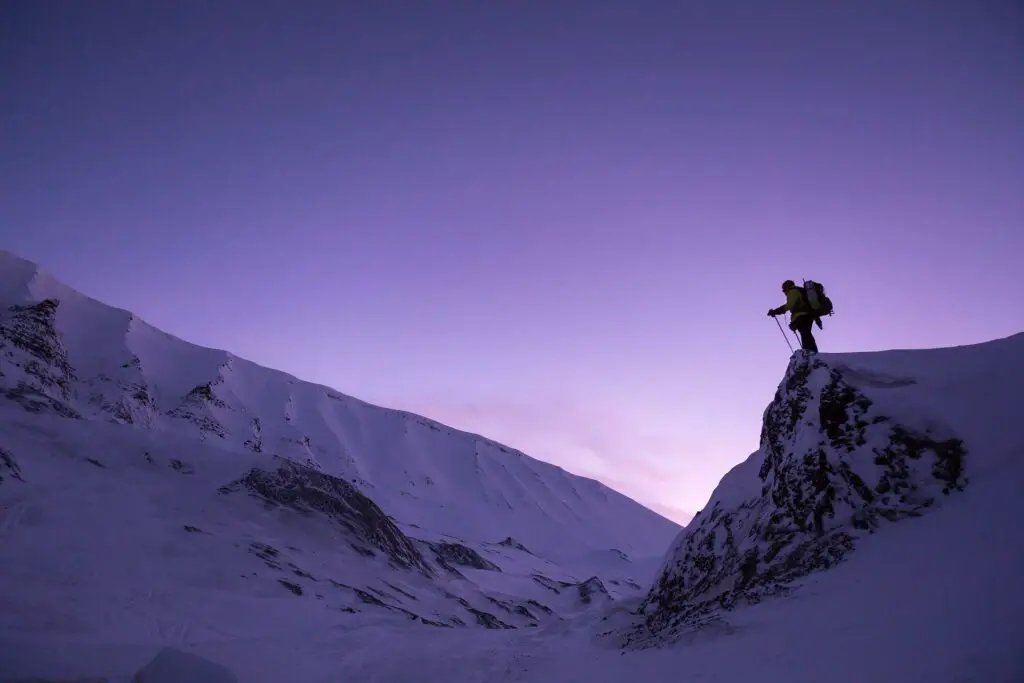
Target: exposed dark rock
x: 193, y: 529
x: 311, y: 492
x: 126, y: 398
x: 500, y: 604
x: 267, y: 553
x: 369, y: 599
x: 34, y: 369
x: 485, y: 619
x: 488, y: 620
x: 833, y: 469
x: 255, y: 444
x: 298, y: 571
x: 513, y: 543
x: 363, y: 550
x: 119, y: 411
x: 457, y: 554
x: 462, y: 601
x: 264, y: 549
x: 293, y: 587
x: 551, y: 584
x: 381, y: 593
x: 183, y: 467
x: 542, y: 607
x: 399, y: 590
x: 96, y: 462
x: 523, y: 612
x: 204, y: 392
x: 197, y: 405
x: 9, y: 465
x: 591, y: 588
x: 34, y: 400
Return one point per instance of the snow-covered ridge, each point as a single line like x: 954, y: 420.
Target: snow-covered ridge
x: 851, y: 444
x: 66, y: 354
x: 883, y: 504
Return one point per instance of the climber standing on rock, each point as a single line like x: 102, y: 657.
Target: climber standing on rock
x: 806, y: 306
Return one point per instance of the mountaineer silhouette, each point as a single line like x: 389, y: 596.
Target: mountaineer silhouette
x: 806, y: 305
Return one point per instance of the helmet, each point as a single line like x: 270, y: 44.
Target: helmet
x: 788, y: 285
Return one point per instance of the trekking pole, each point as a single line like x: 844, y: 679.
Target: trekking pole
x: 784, y: 335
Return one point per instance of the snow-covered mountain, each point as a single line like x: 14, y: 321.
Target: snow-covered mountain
x: 181, y: 470
x: 70, y: 355
x: 154, y: 494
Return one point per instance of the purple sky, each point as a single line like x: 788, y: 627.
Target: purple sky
x: 557, y: 223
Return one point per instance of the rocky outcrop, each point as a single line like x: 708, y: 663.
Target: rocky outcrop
x: 9, y: 466
x: 198, y: 406
x: 126, y: 397
x: 510, y: 542
x: 832, y: 468
x: 255, y: 443
x: 34, y: 368
x: 592, y: 589
x: 307, y: 490
x: 550, y: 584
x: 449, y: 554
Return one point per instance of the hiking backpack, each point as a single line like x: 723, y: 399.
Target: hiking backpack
x: 815, y: 299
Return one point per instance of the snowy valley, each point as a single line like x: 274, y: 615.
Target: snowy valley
x: 154, y: 493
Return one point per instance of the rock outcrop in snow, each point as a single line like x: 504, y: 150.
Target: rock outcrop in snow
x: 449, y: 554
x: 832, y: 467
x: 35, y: 371
x: 307, y: 490
x: 8, y: 466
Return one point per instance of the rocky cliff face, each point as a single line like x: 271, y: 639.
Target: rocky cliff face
x: 307, y: 490
x: 36, y: 372
x: 832, y: 468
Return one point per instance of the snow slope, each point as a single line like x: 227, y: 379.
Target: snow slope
x: 126, y: 536
x: 70, y: 355
x: 873, y: 537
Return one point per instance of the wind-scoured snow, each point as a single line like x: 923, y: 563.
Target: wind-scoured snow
x: 155, y: 494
